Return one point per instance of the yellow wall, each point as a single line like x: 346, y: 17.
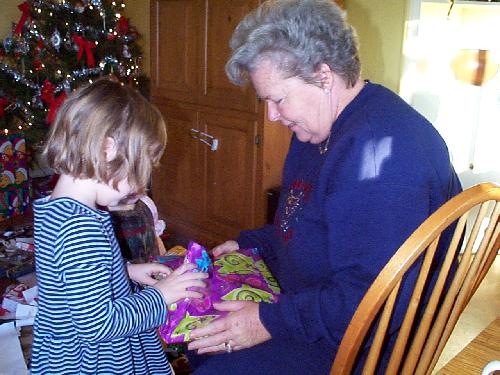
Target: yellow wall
x: 138, y: 13
x: 379, y: 24
x: 380, y: 27
x: 8, y: 14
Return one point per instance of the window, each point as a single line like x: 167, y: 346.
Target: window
x: 451, y: 58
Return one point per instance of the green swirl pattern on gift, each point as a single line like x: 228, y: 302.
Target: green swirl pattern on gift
x: 235, y: 263
x: 189, y: 323
x: 271, y: 282
x: 247, y: 293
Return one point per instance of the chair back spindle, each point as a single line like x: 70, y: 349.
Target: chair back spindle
x: 424, y: 330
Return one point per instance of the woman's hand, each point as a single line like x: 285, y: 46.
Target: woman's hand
x: 238, y: 330
x: 143, y: 273
x: 176, y: 285
x: 224, y: 248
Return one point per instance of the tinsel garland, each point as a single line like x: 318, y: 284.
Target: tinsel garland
x: 35, y: 55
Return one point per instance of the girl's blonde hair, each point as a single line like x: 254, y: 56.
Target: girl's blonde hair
x: 91, y: 114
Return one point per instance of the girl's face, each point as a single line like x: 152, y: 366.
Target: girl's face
x: 304, y: 108
x: 108, y: 196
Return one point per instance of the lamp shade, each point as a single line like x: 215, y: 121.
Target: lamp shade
x: 474, y: 66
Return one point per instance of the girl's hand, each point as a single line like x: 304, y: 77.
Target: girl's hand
x: 224, y: 248
x: 144, y: 273
x: 238, y: 330
x: 175, y: 286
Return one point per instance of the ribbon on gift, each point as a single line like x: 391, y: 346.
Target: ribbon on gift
x: 48, y: 97
x: 85, y: 46
x: 25, y: 9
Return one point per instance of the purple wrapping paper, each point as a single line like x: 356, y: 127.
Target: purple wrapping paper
x: 240, y: 275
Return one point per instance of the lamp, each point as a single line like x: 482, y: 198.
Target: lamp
x: 474, y: 66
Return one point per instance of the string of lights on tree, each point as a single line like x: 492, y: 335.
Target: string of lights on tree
x: 55, y: 47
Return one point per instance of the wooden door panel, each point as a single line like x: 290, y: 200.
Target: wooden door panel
x: 230, y: 174
x: 175, y: 48
x: 222, y: 17
x: 177, y: 182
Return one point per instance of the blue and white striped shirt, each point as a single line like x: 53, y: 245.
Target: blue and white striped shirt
x: 89, y: 321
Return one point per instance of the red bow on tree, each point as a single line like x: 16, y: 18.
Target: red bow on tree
x: 123, y: 26
x: 3, y: 104
x: 25, y: 8
x: 87, y: 47
x: 49, y: 98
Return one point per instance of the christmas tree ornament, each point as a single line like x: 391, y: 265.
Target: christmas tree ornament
x: 68, y: 44
x: 79, y: 7
x: 55, y: 39
x: 111, y: 36
x: 36, y: 102
x: 7, y: 44
x: 67, y: 86
x: 3, y: 104
x: 43, y: 48
x: 121, y: 70
x: 22, y: 47
x: 37, y: 64
x: 126, y: 52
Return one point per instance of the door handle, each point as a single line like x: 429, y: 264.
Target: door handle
x: 194, y: 133
x: 213, y: 143
x: 207, y: 139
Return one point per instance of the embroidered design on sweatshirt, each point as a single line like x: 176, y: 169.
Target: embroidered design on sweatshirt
x: 298, y: 194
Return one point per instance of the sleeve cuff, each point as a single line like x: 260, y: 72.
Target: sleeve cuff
x: 271, y: 315
x: 158, y: 303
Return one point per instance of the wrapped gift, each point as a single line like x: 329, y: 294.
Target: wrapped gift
x: 236, y: 276
x: 14, y: 184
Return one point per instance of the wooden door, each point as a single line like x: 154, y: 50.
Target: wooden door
x: 230, y: 171
x: 176, y: 39
x: 222, y: 17
x: 178, y: 181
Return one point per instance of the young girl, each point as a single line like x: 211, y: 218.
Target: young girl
x: 104, y: 142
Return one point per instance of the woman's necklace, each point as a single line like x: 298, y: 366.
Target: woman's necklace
x: 323, y: 147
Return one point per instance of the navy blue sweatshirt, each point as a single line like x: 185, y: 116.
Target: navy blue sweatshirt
x: 342, y: 215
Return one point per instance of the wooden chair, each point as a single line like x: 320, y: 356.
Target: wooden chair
x: 420, y: 342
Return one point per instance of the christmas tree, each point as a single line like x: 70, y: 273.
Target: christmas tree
x: 55, y: 47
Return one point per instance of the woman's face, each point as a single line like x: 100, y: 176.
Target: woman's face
x: 304, y: 108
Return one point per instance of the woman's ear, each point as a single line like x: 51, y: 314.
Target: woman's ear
x: 325, y: 77
x: 109, y: 148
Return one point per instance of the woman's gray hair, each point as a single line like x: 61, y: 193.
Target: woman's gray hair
x: 298, y: 36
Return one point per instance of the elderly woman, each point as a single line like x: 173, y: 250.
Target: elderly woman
x: 363, y: 171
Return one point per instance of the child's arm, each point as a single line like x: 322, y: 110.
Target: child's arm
x: 144, y: 273
x: 175, y: 286
x: 95, y: 286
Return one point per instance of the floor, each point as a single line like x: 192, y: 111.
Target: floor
x: 483, y: 308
